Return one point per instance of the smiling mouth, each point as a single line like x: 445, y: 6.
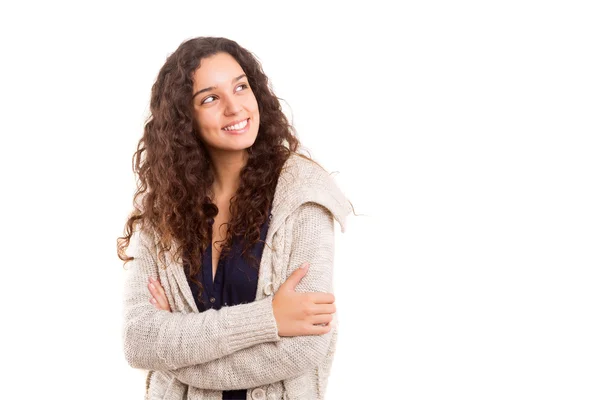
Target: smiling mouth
x: 239, y: 127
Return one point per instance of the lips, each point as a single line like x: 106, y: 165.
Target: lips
x: 239, y: 131
x: 234, y: 123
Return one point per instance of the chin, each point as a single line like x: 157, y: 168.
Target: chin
x: 240, y: 147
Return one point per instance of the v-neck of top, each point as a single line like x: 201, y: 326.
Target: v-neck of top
x: 235, y: 280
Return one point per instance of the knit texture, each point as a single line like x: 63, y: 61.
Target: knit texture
x: 192, y: 355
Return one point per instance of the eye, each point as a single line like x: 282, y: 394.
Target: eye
x: 244, y: 86
x: 205, y: 102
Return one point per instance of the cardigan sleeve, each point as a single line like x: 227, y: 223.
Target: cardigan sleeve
x: 160, y: 340
x: 265, y: 363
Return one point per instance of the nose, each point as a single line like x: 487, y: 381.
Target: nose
x: 232, y: 105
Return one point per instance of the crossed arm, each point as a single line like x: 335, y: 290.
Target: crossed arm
x: 235, y: 347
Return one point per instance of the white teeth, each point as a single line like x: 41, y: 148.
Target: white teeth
x: 237, y: 127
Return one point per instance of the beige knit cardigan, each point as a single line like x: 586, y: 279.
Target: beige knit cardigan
x: 192, y: 355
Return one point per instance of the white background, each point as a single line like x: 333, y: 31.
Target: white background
x: 465, y: 134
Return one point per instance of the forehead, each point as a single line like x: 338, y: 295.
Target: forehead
x: 216, y: 70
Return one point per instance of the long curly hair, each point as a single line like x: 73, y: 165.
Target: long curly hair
x: 175, y: 174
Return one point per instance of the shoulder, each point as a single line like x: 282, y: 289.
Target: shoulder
x: 305, y: 169
x: 305, y: 181
x: 312, y: 217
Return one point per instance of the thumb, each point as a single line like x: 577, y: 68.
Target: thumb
x: 296, y: 277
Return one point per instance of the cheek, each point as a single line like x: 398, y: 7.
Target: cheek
x: 205, y: 121
x: 252, y: 104
x: 255, y: 113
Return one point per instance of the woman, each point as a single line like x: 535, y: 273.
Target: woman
x: 229, y: 213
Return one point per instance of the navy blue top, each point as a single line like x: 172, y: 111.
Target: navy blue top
x: 235, y: 281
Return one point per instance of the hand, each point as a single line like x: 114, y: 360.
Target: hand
x: 159, y: 298
x: 300, y: 313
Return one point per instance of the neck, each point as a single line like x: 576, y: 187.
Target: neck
x: 227, y: 166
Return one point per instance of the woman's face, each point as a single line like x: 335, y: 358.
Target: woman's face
x: 225, y: 109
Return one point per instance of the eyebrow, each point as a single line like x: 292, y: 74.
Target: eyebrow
x: 214, y: 87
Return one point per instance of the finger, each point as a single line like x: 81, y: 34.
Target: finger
x: 295, y: 278
x: 160, y: 304
x: 159, y: 295
x: 324, y: 309
x: 318, y: 329
x: 154, y: 303
x: 163, y: 298
x: 321, y: 319
x: 159, y: 286
x: 322, y: 298
x: 155, y: 284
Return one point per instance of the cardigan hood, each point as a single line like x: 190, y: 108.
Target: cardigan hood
x: 302, y: 181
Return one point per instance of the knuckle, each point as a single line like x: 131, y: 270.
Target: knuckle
x: 306, y: 311
x: 305, y: 329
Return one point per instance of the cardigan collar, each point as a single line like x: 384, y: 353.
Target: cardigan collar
x: 302, y: 181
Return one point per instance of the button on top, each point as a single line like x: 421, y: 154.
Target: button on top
x: 258, y: 394
x: 268, y: 290
x: 212, y: 299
